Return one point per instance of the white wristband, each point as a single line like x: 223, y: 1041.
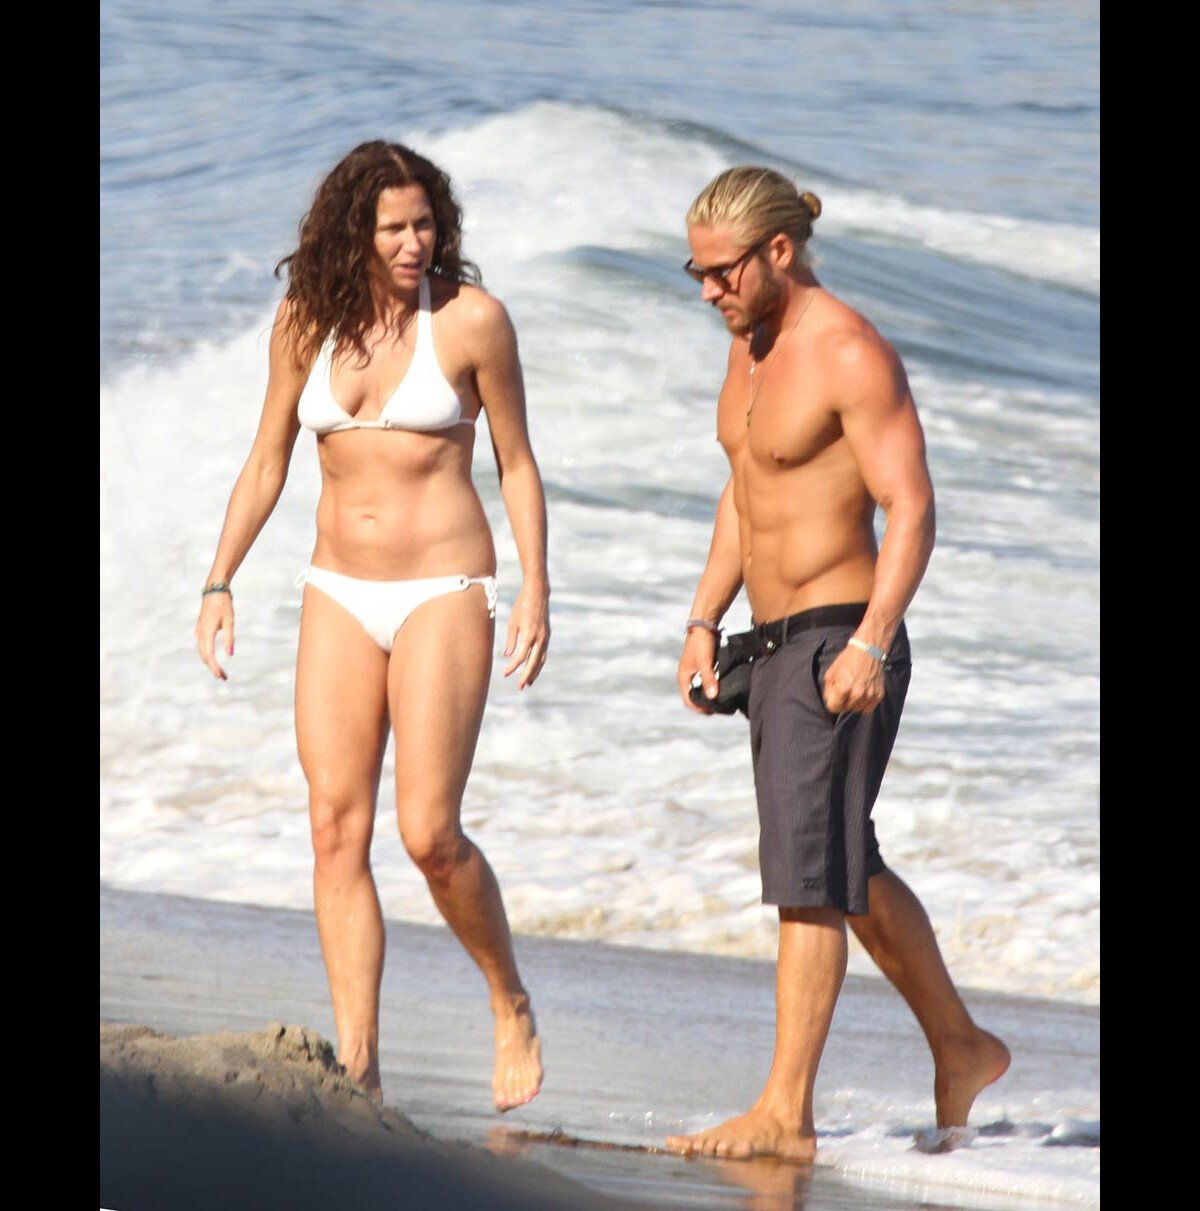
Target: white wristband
x: 870, y: 649
x: 704, y: 624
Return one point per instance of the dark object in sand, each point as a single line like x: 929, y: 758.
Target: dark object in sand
x: 559, y: 1136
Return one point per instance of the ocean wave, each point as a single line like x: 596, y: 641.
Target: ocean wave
x: 554, y: 175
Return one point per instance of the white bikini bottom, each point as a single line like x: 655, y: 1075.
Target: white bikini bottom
x: 383, y: 606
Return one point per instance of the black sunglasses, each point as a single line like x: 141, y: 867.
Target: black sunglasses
x: 720, y: 273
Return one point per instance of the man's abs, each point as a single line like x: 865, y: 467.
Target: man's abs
x: 805, y: 545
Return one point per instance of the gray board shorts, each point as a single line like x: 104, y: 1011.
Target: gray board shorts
x: 817, y: 774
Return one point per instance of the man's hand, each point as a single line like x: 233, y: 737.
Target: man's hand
x: 854, y: 682
x: 699, y: 657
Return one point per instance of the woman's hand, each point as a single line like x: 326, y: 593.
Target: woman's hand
x: 528, y: 634
x: 216, y: 618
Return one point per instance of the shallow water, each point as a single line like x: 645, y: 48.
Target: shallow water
x: 638, y: 1045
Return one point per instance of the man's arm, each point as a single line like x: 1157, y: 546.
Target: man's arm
x: 879, y: 420
x: 719, y: 585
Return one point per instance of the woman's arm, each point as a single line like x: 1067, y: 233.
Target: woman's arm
x: 501, y: 389
x: 256, y: 491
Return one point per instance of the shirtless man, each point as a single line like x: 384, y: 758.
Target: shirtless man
x: 819, y: 426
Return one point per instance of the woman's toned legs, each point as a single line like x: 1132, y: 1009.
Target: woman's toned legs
x: 437, y: 685
x: 341, y: 730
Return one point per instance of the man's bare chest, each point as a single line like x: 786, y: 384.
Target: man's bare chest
x: 775, y: 428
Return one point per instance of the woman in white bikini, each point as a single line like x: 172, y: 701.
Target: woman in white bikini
x: 386, y: 349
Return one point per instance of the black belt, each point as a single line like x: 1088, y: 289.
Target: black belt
x: 772, y: 635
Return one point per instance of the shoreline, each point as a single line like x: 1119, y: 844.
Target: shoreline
x: 269, y: 1118
x: 860, y: 965
x: 638, y: 1044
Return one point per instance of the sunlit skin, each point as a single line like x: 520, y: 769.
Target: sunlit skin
x: 827, y: 434
x: 401, y: 505
x: 405, y: 235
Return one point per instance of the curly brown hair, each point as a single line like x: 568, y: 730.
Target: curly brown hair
x: 328, y: 284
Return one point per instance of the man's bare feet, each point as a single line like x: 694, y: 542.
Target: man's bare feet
x: 756, y: 1133
x: 518, y: 1074
x: 962, y: 1068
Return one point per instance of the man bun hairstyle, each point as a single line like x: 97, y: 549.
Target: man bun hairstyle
x: 757, y: 203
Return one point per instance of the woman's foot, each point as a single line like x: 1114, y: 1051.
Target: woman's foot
x: 518, y: 1074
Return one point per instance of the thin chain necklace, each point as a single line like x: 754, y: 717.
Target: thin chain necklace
x: 755, y: 387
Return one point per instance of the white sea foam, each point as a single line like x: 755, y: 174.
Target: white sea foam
x: 999, y: 1174
x: 1061, y: 253
x: 530, y: 191
x: 607, y: 810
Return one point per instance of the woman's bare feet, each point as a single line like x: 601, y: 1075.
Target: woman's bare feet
x: 962, y: 1068
x: 756, y: 1133
x: 363, y: 1069
x: 518, y: 1074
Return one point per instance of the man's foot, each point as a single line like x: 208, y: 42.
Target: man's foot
x: 758, y: 1133
x: 943, y: 1139
x: 518, y: 1074
x: 962, y: 1069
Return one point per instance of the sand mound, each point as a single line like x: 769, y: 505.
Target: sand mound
x: 269, y: 1119
x: 283, y: 1077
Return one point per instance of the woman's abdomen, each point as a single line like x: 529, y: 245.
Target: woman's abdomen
x: 393, y: 518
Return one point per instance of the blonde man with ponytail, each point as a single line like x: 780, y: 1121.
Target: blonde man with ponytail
x: 821, y: 431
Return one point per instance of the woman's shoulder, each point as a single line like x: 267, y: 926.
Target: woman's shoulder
x: 466, y: 304
x: 476, y: 317
x: 290, y: 335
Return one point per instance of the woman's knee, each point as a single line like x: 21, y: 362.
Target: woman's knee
x: 436, y: 848
x: 341, y: 830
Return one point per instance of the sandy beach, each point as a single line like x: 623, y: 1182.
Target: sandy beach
x: 268, y: 1119
x: 242, y: 1105
x: 955, y: 149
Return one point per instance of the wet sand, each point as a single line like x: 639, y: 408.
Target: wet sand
x: 638, y: 1045
x: 269, y: 1119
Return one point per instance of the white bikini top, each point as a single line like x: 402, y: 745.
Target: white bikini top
x: 424, y: 401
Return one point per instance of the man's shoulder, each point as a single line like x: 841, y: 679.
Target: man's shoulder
x: 856, y: 365
x: 739, y: 352
x: 848, y: 344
